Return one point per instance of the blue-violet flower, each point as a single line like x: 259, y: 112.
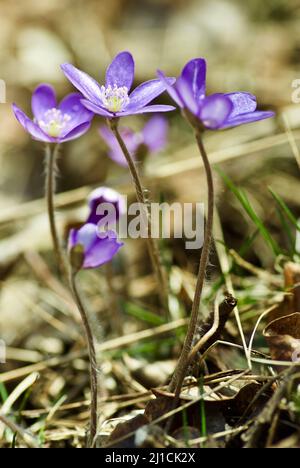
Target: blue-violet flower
x: 97, y: 248
x: 217, y: 111
x: 114, y: 99
x: 55, y: 123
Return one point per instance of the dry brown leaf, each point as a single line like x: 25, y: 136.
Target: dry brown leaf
x: 291, y: 301
x: 121, y: 438
x: 283, y: 337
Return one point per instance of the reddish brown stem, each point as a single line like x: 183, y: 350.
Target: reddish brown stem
x: 183, y: 363
x: 51, y: 161
x: 152, y: 244
x: 92, y: 358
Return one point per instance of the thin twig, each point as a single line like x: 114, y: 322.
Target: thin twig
x: 254, y: 270
x: 221, y: 314
x: 28, y: 438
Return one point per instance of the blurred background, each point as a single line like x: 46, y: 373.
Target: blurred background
x: 251, y: 46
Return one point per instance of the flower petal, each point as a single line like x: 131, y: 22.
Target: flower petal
x: 155, y: 133
x: 73, y: 106
x: 105, y: 195
x: 215, y: 111
x: 32, y: 128
x: 87, y: 236
x: 121, y: 71
x: 96, y: 109
x: 99, y: 248
x: 171, y: 89
x: 186, y: 93
x: 116, y: 154
x: 195, y: 74
x: 43, y: 99
x: 72, y: 241
x: 146, y: 93
x: 243, y: 103
x: 146, y: 110
x: 75, y: 133
x: 248, y: 118
x: 83, y: 82
x: 103, y: 251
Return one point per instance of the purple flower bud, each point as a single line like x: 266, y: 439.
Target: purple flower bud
x: 114, y: 99
x: 217, y: 111
x: 88, y: 248
x: 109, y: 204
x: 55, y: 123
x: 152, y: 139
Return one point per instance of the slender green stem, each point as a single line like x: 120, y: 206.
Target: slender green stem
x: 152, y: 244
x: 92, y: 358
x: 182, y: 366
x: 51, y: 162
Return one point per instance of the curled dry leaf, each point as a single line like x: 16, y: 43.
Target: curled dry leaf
x: 221, y: 408
x: 291, y: 274
x: 283, y: 337
x: 123, y: 436
x: 291, y: 300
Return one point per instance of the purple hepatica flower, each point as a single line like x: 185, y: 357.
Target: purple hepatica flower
x: 111, y: 201
x: 152, y: 139
x: 114, y: 99
x: 97, y: 248
x: 217, y: 111
x: 54, y: 123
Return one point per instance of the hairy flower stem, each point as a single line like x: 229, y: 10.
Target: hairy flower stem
x: 183, y: 363
x: 51, y: 161
x: 152, y: 244
x: 92, y: 358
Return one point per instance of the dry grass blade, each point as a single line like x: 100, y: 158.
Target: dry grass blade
x: 29, y: 440
x: 225, y: 267
x: 110, y: 345
x: 292, y: 139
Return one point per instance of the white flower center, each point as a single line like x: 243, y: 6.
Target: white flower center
x: 54, y: 122
x: 115, y: 99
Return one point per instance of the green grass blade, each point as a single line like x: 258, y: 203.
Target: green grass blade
x: 142, y: 314
x: 203, y: 411
x: 3, y: 392
x: 285, y: 209
x: 287, y: 229
x: 244, y: 201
